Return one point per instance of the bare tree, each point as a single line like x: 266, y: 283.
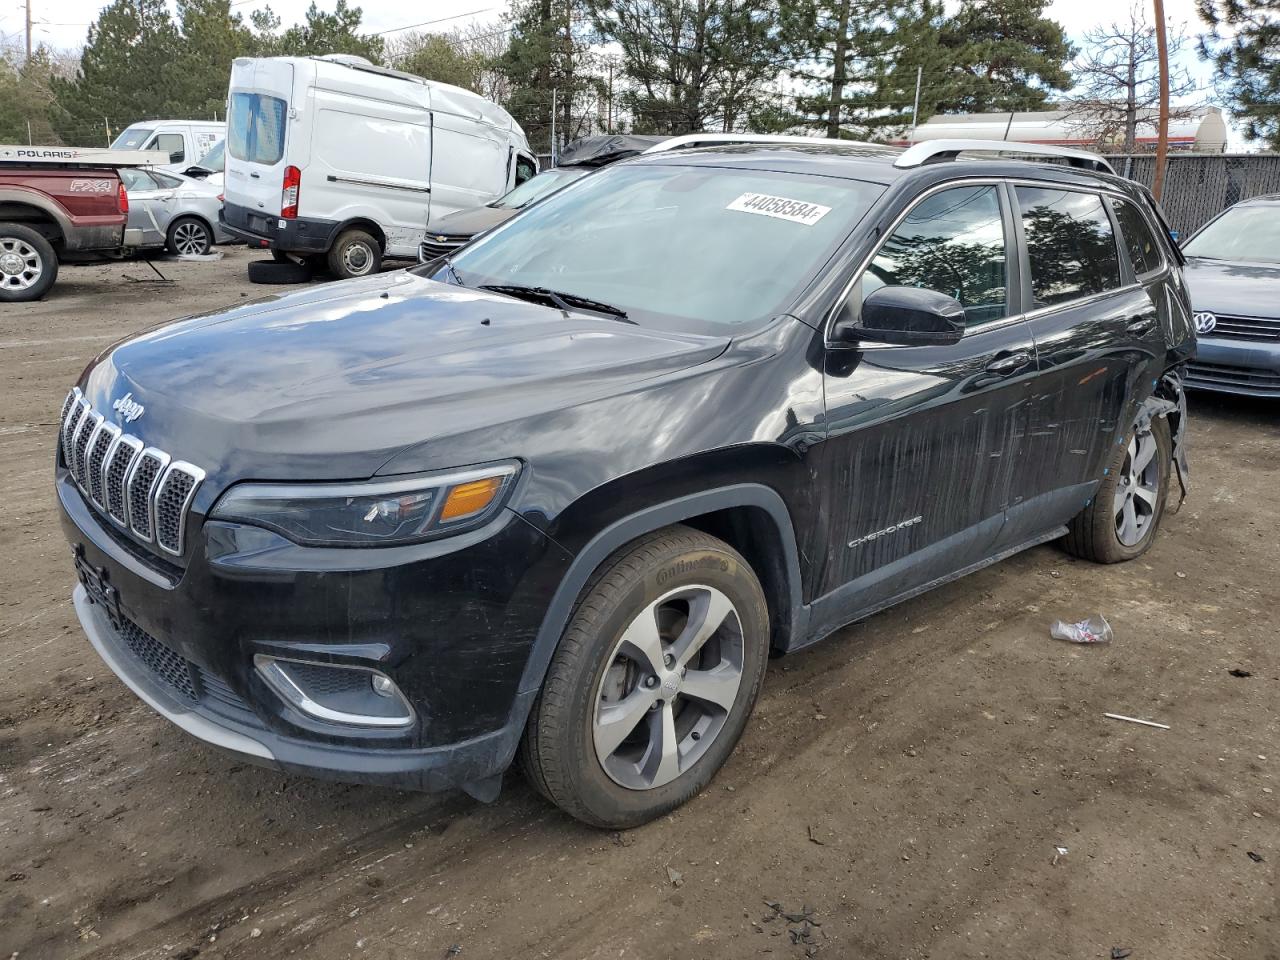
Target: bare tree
x: 1118, y: 81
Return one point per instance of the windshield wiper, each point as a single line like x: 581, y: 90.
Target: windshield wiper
x: 453, y: 271
x: 563, y: 301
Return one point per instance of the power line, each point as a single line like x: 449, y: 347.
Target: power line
x: 427, y: 23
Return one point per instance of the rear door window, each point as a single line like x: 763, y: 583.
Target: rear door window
x: 1070, y: 244
x: 952, y: 242
x: 255, y: 128
x: 1141, y: 243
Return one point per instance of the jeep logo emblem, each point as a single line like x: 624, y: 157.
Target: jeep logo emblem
x: 128, y: 408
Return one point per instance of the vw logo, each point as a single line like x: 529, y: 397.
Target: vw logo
x: 128, y: 408
x: 1205, y: 322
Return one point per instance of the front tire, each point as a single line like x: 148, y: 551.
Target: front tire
x: 355, y: 254
x: 652, y: 683
x: 1124, y: 516
x: 28, y: 264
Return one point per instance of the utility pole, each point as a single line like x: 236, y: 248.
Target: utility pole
x: 915, y: 109
x: 609, y: 122
x: 554, y: 151
x: 28, y: 60
x: 1162, y: 133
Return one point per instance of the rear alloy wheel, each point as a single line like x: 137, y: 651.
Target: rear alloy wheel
x: 1121, y: 521
x: 653, y: 681
x: 189, y: 237
x: 355, y: 254
x: 28, y: 265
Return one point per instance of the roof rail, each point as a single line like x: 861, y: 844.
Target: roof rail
x: 933, y: 151
x: 730, y: 139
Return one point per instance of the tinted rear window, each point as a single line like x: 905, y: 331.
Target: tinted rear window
x: 1070, y: 244
x: 1138, y: 238
x: 255, y: 128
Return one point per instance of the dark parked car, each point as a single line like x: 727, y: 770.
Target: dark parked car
x: 581, y: 157
x: 1233, y: 272
x: 562, y: 495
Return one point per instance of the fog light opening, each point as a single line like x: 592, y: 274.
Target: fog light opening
x: 336, y: 693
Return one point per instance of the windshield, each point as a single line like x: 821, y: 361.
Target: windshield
x: 681, y: 247
x: 132, y: 139
x: 537, y: 187
x: 213, y: 160
x: 1245, y: 233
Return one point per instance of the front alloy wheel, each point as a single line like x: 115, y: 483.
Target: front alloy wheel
x: 1138, y: 490
x: 653, y: 681
x: 672, y: 680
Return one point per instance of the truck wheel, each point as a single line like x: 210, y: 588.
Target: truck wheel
x: 189, y: 236
x: 354, y: 254
x: 652, y: 683
x: 28, y: 265
x: 271, y: 271
x: 1121, y: 521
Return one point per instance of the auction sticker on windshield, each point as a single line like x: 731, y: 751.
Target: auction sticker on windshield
x: 781, y: 208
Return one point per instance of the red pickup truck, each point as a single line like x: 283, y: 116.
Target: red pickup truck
x: 53, y: 201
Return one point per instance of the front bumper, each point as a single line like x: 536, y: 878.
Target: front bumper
x: 1247, y: 367
x: 451, y: 624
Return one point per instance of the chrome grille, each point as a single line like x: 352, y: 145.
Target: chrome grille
x: 98, y: 447
x: 1246, y: 328
x: 141, y: 489
x: 437, y: 246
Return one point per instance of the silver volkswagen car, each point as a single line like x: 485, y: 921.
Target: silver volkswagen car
x: 172, y: 211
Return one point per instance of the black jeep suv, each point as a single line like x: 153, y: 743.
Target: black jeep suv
x: 562, y: 495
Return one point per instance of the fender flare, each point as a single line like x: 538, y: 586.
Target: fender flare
x: 622, y: 532
x: 33, y: 198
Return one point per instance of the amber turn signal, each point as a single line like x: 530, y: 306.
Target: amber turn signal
x: 468, y: 498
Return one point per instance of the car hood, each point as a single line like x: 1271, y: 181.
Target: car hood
x: 469, y: 222
x: 331, y: 383
x: 1235, y: 289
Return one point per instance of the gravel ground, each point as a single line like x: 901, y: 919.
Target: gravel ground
x: 902, y: 791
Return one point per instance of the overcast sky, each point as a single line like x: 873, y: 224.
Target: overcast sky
x: 64, y: 23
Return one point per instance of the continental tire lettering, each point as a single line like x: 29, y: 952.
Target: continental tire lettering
x: 684, y: 567
x: 896, y: 528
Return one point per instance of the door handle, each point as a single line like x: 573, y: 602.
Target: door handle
x: 1010, y: 363
x: 1141, y: 325
x: 256, y: 176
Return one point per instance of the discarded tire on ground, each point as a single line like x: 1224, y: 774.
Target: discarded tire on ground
x: 270, y: 271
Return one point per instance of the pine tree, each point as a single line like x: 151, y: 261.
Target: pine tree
x: 129, y: 52
x: 320, y: 33
x: 549, y: 64
x: 211, y: 38
x: 694, y: 64
x: 1006, y: 56
x: 1243, y: 43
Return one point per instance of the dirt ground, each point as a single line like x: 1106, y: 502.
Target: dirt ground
x: 906, y: 784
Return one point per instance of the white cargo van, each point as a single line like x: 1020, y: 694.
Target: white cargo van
x: 185, y: 141
x: 333, y: 156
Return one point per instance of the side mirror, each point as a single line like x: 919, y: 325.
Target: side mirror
x: 197, y: 171
x: 905, y: 316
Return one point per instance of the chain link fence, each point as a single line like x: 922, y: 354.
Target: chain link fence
x: 1199, y: 186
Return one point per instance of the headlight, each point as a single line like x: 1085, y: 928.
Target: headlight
x: 372, y: 513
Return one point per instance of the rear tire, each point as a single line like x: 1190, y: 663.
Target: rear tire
x: 28, y: 264
x: 189, y: 236
x: 636, y: 713
x: 354, y: 254
x: 270, y: 271
x: 1122, y: 520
